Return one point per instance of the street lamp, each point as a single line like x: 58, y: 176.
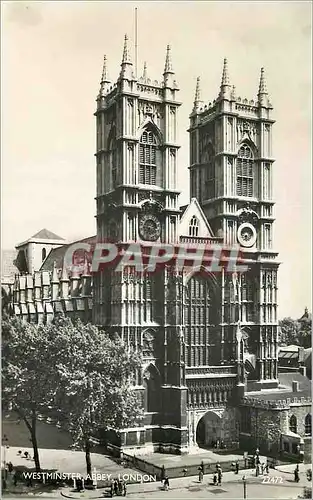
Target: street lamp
x: 244, y: 479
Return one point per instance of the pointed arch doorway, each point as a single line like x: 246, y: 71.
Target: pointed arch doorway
x: 209, y: 430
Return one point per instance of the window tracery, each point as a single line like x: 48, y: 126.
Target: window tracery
x: 245, y: 171
x: 148, y: 158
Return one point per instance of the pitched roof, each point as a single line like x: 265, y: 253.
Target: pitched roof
x: 56, y: 255
x: 45, y: 234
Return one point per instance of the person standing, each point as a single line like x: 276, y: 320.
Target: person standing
x: 296, y: 474
x: 200, y: 475
x: 219, y: 477
x: 237, y: 467
x: 166, y: 484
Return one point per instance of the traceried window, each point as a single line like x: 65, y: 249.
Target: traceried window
x: 194, y: 226
x: 199, y: 319
x: 148, y: 158
x: 293, y: 424
x: 245, y: 171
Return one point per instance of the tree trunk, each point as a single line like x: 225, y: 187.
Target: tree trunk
x: 32, y: 429
x: 34, y: 441
x: 88, y: 458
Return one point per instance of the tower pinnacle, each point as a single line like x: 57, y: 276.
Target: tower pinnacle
x: 262, y: 85
x: 126, y: 56
x: 168, y: 62
x: 105, y: 82
x: 225, y: 88
x: 197, y: 101
x: 104, y: 77
x: 263, y: 94
x: 126, y: 66
x: 225, y: 76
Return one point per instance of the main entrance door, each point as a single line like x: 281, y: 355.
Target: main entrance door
x: 209, y: 430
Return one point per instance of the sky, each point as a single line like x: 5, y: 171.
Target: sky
x: 52, y: 55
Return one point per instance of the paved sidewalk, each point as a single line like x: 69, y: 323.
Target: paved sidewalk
x: 185, y: 482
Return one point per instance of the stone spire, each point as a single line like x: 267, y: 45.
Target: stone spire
x: 168, y: 68
x: 197, y: 102
x: 105, y: 82
x: 225, y: 76
x: 225, y: 87
x: 126, y: 56
x: 127, y: 65
x: 263, y: 94
x: 168, y: 74
x: 233, y: 93
x: 262, y: 85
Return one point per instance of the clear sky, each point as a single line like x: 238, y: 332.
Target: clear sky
x: 52, y: 56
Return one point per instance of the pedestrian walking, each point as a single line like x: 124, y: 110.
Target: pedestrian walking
x: 215, y: 479
x: 237, y: 467
x: 200, y: 476
x: 124, y: 489
x: 219, y: 477
x: 267, y: 468
x: 296, y: 474
x: 166, y: 484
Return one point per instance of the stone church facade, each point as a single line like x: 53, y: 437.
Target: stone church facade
x: 209, y: 339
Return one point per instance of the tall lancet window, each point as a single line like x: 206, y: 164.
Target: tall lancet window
x: 194, y: 226
x: 148, y: 158
x: 245, y: 171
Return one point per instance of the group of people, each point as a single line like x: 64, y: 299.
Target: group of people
x: 118, y: 488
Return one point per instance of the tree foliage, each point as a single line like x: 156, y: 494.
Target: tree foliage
x: 77, y: 371
x: 296, y: 332
x: 27, y: 386
x: 95, y: 373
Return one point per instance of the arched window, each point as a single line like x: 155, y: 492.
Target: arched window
x: 245, y: 171
x: 43, y: 254
x: 148, y: 158
x: 194, y: 226
x: 308, y: 424
x: 293, y: 424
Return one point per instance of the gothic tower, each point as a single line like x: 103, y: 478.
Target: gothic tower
x: 137, y: 201
x: 231, y: 167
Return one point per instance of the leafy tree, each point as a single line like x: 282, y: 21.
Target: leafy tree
x: 95, y: 374
x: 297, y: 332
x: 288, y: 331
x: 74, y: 369
x: 305, y: 329
x: 26, y: 371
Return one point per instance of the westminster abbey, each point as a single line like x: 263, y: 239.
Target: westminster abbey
x: 209, y: 340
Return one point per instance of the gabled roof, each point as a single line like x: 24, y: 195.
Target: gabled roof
x: 45, y: 234
x: 188, y: 211
x: 56, y: 255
